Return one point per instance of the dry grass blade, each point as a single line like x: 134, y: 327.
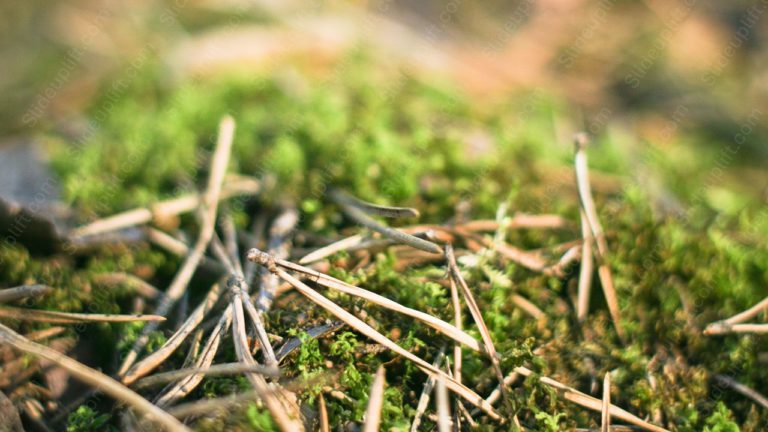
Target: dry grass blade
x: 324, y: 424
x: 92, y: 377
x: 370, y: 332
x: 343, y: 198
x: 443, y: 410
x: 585, y: 272
x: 338, y: 285
x: 215, y: 370
x: 204, y: 361
x: 474, y: 310
x: 744, y: 390
x: 421, y: 406
x: 164, y: 209
x: 331, y: 249
x: 719, y: 328
x: 375, y: 402
x: 24, y: 291
x: 363, y: 219
x: 69, y: 317
x: 605, y: 416
x: 152, y: 361
x: 590, y: 212
x: 579, y: 398
x: 208, y: 207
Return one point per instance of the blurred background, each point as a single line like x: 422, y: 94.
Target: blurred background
x: 660, y: 72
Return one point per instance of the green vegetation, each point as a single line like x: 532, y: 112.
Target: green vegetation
x: 410, y: 142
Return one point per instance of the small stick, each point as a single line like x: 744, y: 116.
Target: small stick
x: 421, y: 406
x: 605, y: 417
x: 719, y: 328
x: 208, y: 206
x: 474, y: 310
x: 234, y: 187
x: 363, y: 219
x: 590, y: 212
x: 375, y: 402
x: 572, y: 395
x: 370, y: 332
x: 338, y: 285
x: 24, y: 291
x: 92, y: 377
x: 585, y: 273
x: 223, y: 369
x: 345, y: 199
x: 443, y: 410
x: 69, y: 317
x: 744, y: 390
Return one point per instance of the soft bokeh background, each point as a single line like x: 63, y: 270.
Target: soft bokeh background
x: 662, y: 74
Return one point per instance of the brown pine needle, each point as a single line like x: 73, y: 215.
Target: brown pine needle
x: 279, y: 245
x: 338, y: 285
x: 443, y: 410
x: 93, y: 378
x: 744, y: 390
x: 365, y: 329
x: 589, y: 402
x: 335, y: 247
x: 375, y: 402
x: 585, y: 273
x: 749, y: 313
x: 69, y: 317
x: 149, y: 363
x: 517, y: 221
x: 24, y: 291
x: 140, y: 286
x: 185, y: 386
x: 474, y: 310
x: 276, y: 408
x: 235, y: 186
x: 208, y: 208
x: 363, y: 219
x: 343, y: 198
x: 720, y: 328
x: 590, y: 212
x: 324, y: 423
x: 421, y: 406
x: 223, y: 369
x: 605, y: 417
